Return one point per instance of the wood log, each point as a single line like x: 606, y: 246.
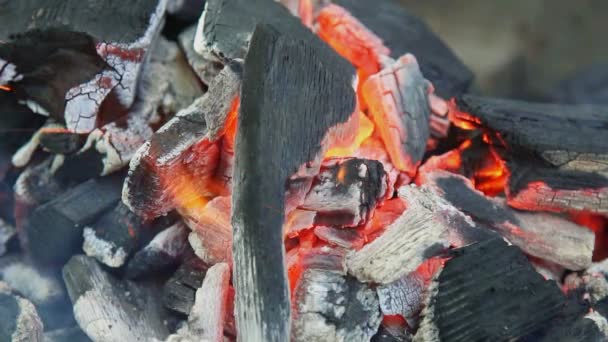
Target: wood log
x: 164, y: 167
x: 179, y: 291
x: 54, y: 229
x: 428, y: 227
x: 277, y: 68
x: 402, y: 32
x: 19, y: 321
x: 162, y: 253
x: 97, y: 56
x: 333, y: 307
x: 488, y: 291
x: 108, y: 309
x: 346, y: 192
x: 542, y: 235
x: 397, y: 100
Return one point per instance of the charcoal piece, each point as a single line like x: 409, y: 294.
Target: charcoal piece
x: 57, y: 67
x: 204, y: 68
x: 333, y: 307
x: 534, y: 186
x: 426, y: 228
x: 71, y: 334
x: 206, y: 319
x: 582, y: 329
x: 179, y: 291
x: 161, y: 254
x: 19, y: 321
x: 539, y: 127
x: 108, y: 309
x: 37, y: 184
x: 345, y: 192
x: 391, y: 335
x: 54, y: 229
x: 113, y: 237
x: 161, y: 165
x: 542, y: 235
x: 488, y: 291
x: 346, y: 238
x: 397, y: 100
x: 403, y: 297
x: 402, y: 33
x: 586, y: 86
x: 61, y: 141
x: 211, y: 237
x: 274, y: 106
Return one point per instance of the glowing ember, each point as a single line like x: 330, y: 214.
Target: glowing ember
x: 5, y: 87
x: 365, y: 127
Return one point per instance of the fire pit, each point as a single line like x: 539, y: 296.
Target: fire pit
x: 284, y: 170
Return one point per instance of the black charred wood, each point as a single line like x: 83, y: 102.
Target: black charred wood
x: 386, y: 334
x: 55, y: 229
x: 61, y: 142
x: 288, y: 84
x: 402, y: 32
x: 488, y: 291
x: 180, y: 290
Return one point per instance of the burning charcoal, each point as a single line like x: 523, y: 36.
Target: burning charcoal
x: 346, y: 192
x: 19, y: 321
x: 162, y: 253
x: 182, y: 154
x: 428, y: 227
x: 542, y: 235
x: 179, y: 291
x: 397, y: 100
x: 205, y: 69
x: 54, y: 229
x: 72, y: 334
x: 206, y: 319
x: 78, y: 73
x: 277, y: 68
x: 298, y: 220
x: 346, y: 238
x: 7, y: 231
x: 488, y: 291
x: 111, y: 310
x: 402, y: 32
x: 211, y: 238
x: 403, y: 297
x: 333, y: 307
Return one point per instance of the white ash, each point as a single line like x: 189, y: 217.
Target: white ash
x: 403, y: 297
x: 600, y: 321
x: 34, y: 107
x: 29, y: 327
x: 7, y: 231
x: 106, y: 252
x: 23, y: 155
x: 31, y: 284
x: 170, y: 240
x: 8, y: 72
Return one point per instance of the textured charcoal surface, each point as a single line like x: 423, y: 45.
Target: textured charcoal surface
x: 179, y: 291
x: 488, y: 291
x: 540, y: 127
x: 402, y: 32
x: 16, y: 119
x: 288, y: 84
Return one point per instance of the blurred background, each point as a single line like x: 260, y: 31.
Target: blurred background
x: 523, y: 48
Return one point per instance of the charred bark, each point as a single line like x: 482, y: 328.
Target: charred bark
x: 289, y: 83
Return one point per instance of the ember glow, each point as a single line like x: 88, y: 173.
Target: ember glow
x: 5, y: 87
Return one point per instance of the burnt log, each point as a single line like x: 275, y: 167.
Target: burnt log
x: 179, y: 291
x: 291, y: 80
x: 65, y: 61
x: 488, y: 291
x: 402, y: 32
x: 345, y: 192
x: 108, y: 309
x: 542, y: 235
x: 428, y: 227
x: 54, y: 229
x: 397, y: 100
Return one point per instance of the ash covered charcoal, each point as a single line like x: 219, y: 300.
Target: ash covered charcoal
x: 179, y: 291
x: 426, y: 228
x: 162, y: 253
x: 206, y: 318
x: 403, y: 297
x: 488, y: 291
x: 182, y: 154
x: 204, y: 68
x: 59, y: 140
x: 54, y: 230
x: 397, y: 100
x: 402, y: 32
x: 211, y: 236
x: 280, y: 63
x: 331, y: 306
x: 542, y: 235
x: 345, y: 192
x: 68, y: 72
x: 19, y: 321
x: 108, y: 309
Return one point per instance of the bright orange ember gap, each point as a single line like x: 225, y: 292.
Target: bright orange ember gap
x: 492, y: 177
x: 460, y: 119
x: 364, y: 131
x: 5, y: 87
x: 598, y: 225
